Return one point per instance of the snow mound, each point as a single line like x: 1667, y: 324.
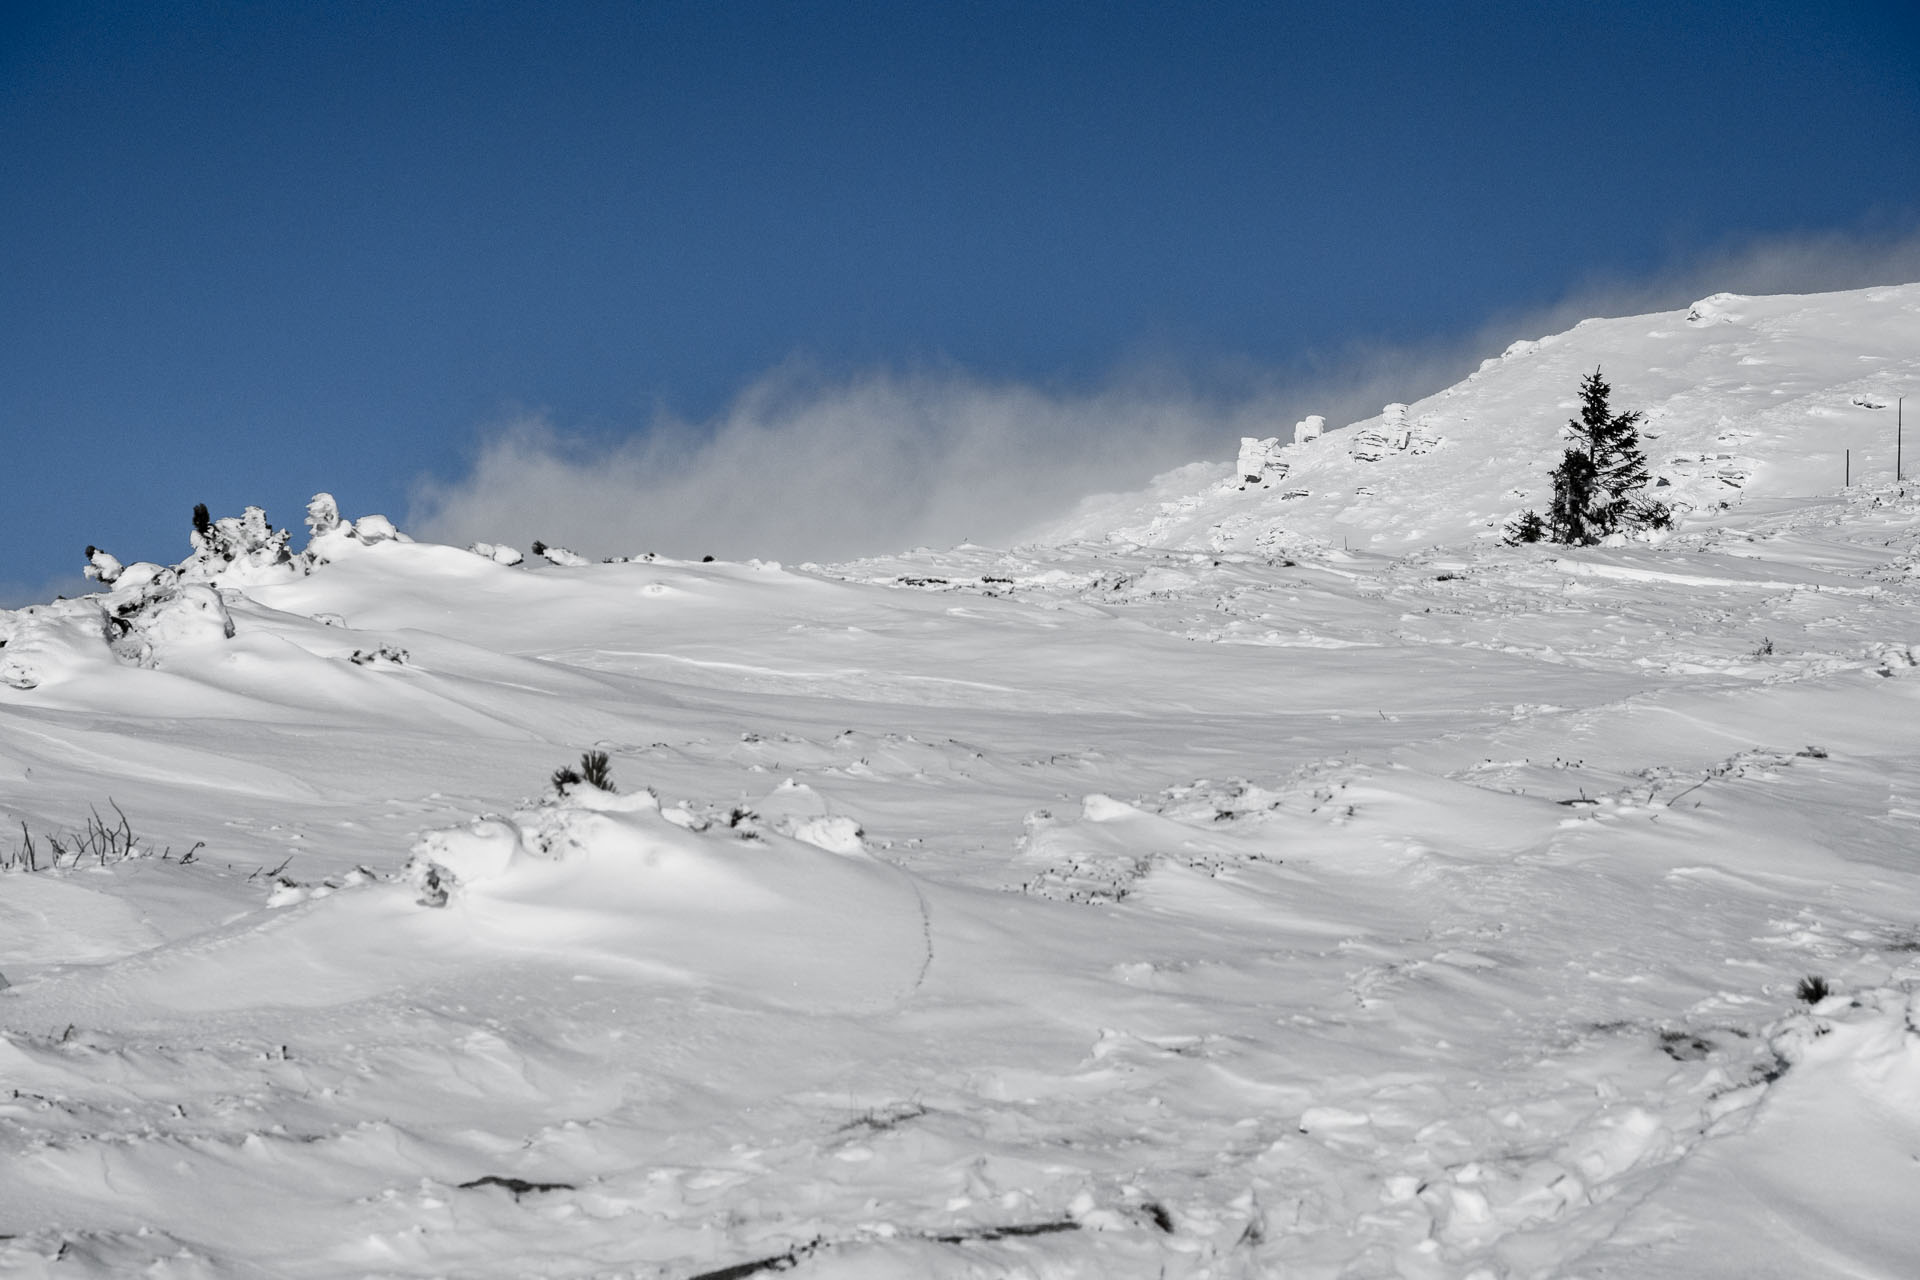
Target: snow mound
x: 609, y: 879
x: 600, y: 887
x: 46, y: 644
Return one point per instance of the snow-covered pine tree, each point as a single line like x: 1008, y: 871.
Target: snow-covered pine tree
x: 1620, y: 466
x: 1526, y: 527
x: 1599, y: 486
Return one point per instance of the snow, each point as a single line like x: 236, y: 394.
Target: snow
x: 1188, y: 897
x: 1742, y: 395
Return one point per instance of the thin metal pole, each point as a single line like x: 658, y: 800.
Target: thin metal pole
x: 1899, y: 431
x: 1849, y: 472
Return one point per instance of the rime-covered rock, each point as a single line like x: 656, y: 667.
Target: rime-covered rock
x: 1259, y: 460
x: 323, y: 514
x: 498, y: 552
x: 378, y: 529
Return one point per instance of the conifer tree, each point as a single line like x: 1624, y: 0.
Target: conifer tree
x: 1619, y: 465
x: 1598, y: 488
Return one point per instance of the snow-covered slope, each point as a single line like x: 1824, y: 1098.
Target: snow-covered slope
x: 1097, y: 910
x: 1743, y: 396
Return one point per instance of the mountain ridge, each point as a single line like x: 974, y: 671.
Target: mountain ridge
x: 1743, y: 396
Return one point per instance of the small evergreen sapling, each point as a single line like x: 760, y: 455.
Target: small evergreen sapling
x: 595, y: 770
x: 1813, y: 989
x: 1527, y: 527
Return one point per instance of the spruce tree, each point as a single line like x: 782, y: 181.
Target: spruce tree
x: 1526, y: 527
x: 1598, y: 488
x: 1613, y: 443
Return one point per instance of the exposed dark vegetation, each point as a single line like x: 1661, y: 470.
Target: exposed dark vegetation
x: 596, y: 770
x: 1813, y: 989
x: 517, y: 1187
x: 97, y: 843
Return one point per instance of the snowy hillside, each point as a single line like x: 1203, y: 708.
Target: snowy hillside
x: 1743, y: 397
x: 1089, y: 910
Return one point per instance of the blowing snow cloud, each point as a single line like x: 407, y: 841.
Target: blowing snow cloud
x: 879, y: 463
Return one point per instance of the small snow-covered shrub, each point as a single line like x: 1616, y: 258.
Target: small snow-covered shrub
x: 490, y: 847
x: 595, y: 770
x: 102, y: 566
x: 1813, y: 989
x: 385, y: 655
x: 559, y: 555
x: 245, y: 545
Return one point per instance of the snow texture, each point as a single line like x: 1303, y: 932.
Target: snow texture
x: 1190, y: 896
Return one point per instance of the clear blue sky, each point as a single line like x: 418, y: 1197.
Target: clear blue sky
x: 248, y: 251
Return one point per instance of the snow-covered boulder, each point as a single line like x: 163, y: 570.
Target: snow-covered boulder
x: 146, y: 619
x: 1309, y: 428
x: 323, y: 515
x: 193, y: 613
x: 559, y: 555
x: 378, y: 529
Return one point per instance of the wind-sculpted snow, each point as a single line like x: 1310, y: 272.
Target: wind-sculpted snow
x: 610, y: 880
x: 1087, y: 910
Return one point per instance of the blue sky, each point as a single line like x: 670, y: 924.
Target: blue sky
x: 250, y: 251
